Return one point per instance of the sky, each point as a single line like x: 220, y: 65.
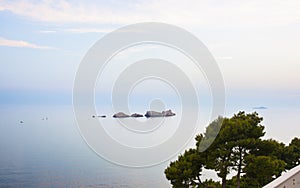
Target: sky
x: 255, y: 43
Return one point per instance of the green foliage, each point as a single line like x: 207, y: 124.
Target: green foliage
x: 260, y: 170
x: 212, y: 131
x: 210, y: 184
x: 186, y: 170
x: 234, y: 144
x: 269, y: 148
x: 292, y: 153
x: 218, y: 154
x: 237, y: 136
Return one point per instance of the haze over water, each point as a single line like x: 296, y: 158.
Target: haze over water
x: 47, y: 153
x: 42, y: 45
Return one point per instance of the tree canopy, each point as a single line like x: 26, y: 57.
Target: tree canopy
x: 234, y: 145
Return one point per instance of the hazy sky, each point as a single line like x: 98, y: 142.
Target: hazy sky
x: 256, y: 43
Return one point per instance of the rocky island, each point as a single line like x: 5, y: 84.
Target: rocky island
x: 166, y: 113
x: 120, y: 115
x: 148, y: 114
x: 136, y: 115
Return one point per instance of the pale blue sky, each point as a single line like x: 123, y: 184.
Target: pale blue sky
x: 256, y: 44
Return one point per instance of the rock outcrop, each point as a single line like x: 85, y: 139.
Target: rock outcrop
x: 101, y: 116
x: 136, y: 115
x: 120, y: 115
x: 166, y: 113
x: 153, y: 114
x: 148, y: 114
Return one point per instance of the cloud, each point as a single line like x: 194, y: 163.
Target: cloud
x: 88, y: 30
x: 85, y: 30
x: 77, y: 30
x: 189, y: 13
x: 21, y: 44
x: 62, y: 12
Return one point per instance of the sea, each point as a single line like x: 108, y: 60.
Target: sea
x: 42, y: 146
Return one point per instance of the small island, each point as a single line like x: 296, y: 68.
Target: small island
x: 166, y: 113
x: 120, y: 115
x: 148, y: 114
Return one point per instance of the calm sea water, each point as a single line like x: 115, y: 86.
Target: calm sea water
x: 51, y: 153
